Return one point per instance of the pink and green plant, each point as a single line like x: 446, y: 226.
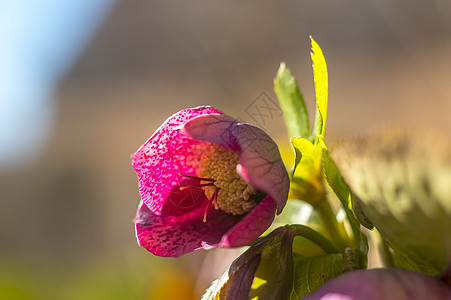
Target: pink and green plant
x: 207, y: 180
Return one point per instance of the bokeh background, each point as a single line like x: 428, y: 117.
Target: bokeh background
x: 84, y: 83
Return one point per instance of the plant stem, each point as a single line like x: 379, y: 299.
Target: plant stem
x: 352, y: 260
x: 316, y: 237
x: 335, y: 230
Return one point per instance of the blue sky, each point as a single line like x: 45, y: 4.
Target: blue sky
x: 40, y: 41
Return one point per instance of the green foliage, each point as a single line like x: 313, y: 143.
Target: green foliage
x: 311, y: 273
x: 291, y: 102
x: 341, y: 189
x: 400, y: 180
x: 267, y: 266
x: 321, y: 89
x: 307, y: 180
x: 275, y: 274
x: 405, y: 260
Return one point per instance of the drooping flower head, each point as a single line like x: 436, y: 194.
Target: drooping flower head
x: 206, y: 180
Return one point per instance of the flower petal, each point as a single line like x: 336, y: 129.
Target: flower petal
x: 252, y: 225
x: 170, y: 219
x: 174, y: 236
x: 213, y: 128
x: 260, y: 162
x: 166, y: 154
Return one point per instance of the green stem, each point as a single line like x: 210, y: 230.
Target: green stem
x: 352, y: 260
x: 316, y: 237
x: 335, y: 230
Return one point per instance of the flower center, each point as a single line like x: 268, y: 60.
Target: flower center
x: 227, y: 189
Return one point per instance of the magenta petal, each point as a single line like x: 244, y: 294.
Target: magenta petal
x: 167, y: 153
x: 252, y: 225
x: 173, y: 236
x: 213, y: 128
x: 260, y: 162
x: 169, y: 221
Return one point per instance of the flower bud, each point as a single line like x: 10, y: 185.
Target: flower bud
x: 389, y: 283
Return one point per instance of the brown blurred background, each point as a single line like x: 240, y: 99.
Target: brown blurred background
x: 66, y: 218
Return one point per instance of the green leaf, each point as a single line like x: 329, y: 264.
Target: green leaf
x: 268, y: 265
x: 291, y: 102
x: 307, y: 181
x: 321, y: 89
x: 335, y: 181
x: 256, y: 268
x: 411, y: 262
x: 311, y: 273
x: 401, y: 179
x: 274, y: 277
x: 343, y: 193
x: 236, y: 286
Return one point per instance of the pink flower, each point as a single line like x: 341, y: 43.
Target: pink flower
x: 206, y: 181
x: 386, y: 283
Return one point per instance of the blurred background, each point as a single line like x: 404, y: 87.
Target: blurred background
x: 84, y: 83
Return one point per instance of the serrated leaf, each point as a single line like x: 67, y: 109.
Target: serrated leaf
x: 291, y: 102
x: 321, y: 89
x: 402, y: 183
x: 311, y: 273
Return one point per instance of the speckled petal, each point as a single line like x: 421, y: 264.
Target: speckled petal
x: 173, y: 236
x: 260, y: 162
x: 213, y: 128
x: 169, y: 221
x: 166, y: 154
x: 252, y: 225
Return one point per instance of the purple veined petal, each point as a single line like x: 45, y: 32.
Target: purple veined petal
x: 166, y: 154
x: 260, y: 162
x: 213, y: 128
x: 173, y: 236
x: 252, y: 225
x: 170, y: 217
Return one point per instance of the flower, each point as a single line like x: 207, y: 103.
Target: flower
x: 387, y: 283
x: 206, y: 181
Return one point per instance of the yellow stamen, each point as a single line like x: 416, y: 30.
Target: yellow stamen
x: 229, y: 191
